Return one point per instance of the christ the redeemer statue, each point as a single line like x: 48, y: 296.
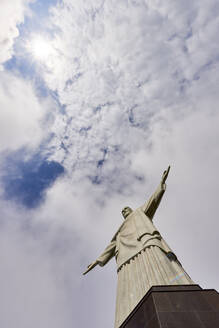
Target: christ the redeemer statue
x: 143, y: 257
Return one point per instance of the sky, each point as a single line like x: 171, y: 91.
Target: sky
x: 97, y: 98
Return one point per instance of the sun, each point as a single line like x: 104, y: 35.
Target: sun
x: 40, y: 48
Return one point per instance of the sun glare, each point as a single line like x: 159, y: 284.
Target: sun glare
x: 40, y: 48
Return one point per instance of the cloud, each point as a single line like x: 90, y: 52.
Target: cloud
x: 31, y: 279
x: 22, y: 114
x: 120, y: 67
x: 11, y: 15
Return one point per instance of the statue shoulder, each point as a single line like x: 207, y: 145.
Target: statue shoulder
x: 117, y: 232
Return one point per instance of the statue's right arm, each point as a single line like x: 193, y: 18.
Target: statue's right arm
x: 107, y: 254
x: 90, y: 267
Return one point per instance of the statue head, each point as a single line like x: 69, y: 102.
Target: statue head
x: 126, y: 211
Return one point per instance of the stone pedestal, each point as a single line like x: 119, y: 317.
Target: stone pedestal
x: 182, y: 306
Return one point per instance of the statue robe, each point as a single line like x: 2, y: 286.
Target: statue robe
x: 143, y: 258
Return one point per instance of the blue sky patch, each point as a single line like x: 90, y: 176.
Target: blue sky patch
x: 26, y: 181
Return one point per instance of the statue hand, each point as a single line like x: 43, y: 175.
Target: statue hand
x: 90, y: 267
x: 165, y: 175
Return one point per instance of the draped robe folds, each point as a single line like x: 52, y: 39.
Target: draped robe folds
x: 143, y: 258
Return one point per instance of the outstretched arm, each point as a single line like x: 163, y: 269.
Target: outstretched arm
x: 108, y: 253
x: 151, y: 206
x: 90, y: 267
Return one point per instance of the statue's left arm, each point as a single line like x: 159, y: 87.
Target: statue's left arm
x: 151, y: 206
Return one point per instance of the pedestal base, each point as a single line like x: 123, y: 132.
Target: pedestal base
x: 182, y: 306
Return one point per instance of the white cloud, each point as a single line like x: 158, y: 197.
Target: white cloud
x: 121, y: 66
x: 33, y: 292
x: 22, y: 113
x: 12, y: 13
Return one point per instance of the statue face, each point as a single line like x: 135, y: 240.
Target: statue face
x: 126, y: 211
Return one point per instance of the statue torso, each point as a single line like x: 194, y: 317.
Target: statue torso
x: 136, y: 233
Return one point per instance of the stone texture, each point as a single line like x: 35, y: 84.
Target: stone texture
x: 182, y: 306
x: 150, y: 267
